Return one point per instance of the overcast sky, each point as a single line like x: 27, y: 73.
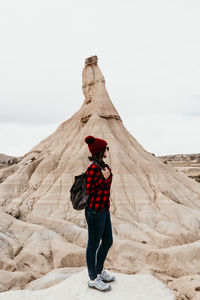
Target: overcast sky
x: 148, y: 51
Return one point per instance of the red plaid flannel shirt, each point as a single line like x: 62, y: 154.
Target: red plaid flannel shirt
x: 98, y: 188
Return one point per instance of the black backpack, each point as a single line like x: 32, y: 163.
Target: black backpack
x: 78, y: 195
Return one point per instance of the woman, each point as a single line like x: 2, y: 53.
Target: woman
x: 97, y: 214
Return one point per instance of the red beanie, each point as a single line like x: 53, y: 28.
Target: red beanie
x: 95, y: 145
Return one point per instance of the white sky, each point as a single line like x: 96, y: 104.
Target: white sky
x: 148, y: 53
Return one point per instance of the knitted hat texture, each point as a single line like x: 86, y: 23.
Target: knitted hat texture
x: 95, y: 145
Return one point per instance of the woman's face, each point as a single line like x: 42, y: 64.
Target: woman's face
x: 105, y: 152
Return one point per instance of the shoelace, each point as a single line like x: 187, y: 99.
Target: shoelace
x: 100, y: 283
x: 105, y: 276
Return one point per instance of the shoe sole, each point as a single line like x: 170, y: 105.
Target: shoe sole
x: 94, y: 287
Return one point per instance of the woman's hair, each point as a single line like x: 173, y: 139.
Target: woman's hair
x: 97, y: 157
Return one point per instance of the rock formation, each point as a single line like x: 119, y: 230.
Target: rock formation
x: 155, y: 209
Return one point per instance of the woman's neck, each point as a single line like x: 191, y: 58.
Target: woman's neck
x: 102, y: 163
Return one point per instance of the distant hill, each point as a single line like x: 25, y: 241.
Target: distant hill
x: 186, y: 163
x: 7, y: 160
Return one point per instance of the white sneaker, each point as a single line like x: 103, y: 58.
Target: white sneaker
x: 99, y: 285
x: 106, y: 277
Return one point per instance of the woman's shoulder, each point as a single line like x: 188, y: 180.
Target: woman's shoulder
x: 93, y: 166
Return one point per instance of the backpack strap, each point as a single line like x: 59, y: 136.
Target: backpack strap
x: 94, y: 162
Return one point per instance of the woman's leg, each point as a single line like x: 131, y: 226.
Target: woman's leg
x: 106, y: 243
x: 96, y: 224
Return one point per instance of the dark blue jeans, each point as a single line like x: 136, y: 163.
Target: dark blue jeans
x: 99, y: 229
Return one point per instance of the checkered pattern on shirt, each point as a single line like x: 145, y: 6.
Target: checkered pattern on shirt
x: 98, y: 188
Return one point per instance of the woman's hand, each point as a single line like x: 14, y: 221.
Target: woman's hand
x: 106, y: 173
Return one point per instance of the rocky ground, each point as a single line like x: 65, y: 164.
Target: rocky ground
x: 74, y: 287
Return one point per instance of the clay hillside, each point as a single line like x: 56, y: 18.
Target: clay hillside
x: 155, y: 209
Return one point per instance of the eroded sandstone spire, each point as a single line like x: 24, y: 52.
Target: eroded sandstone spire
x: 96, y: 95
x: 155, y: 209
